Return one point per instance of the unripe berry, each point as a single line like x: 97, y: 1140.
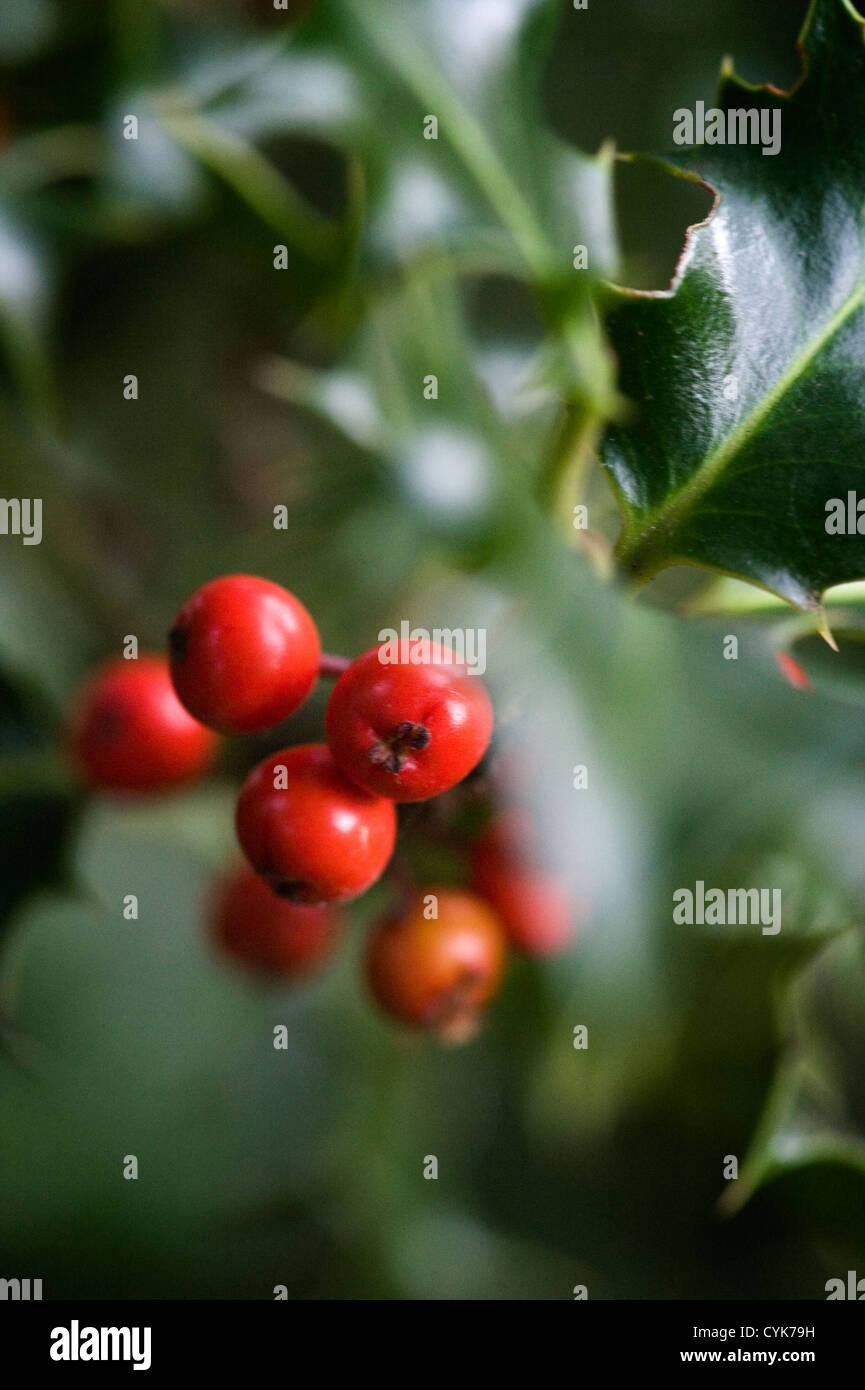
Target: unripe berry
x: 313, y: 834
x: 438, y: 972
x: 268, y: 934
x: 532, y: 901
x: 408, y: 729
x: 244, y: 654
x: 129, y: 732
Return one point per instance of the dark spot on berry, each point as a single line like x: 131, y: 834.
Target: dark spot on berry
x: 177, y: 642
x: 390, y: 753
x: 290, y: 889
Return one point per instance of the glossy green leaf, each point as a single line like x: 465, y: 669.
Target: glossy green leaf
x: 746, y: 376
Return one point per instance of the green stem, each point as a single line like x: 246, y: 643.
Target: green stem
x: 255, y: 180
x: 640, y: 555
x: 568, y: 461
x: 466, y: 135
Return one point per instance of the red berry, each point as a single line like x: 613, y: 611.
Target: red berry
x: 244, y: 654
x: 129, y: 732
x: 268, y: 934
x: 438, y: 972
x: 792, y: 672
x: 309, y: 831
x: 408, y: 729
x: 533, y: 903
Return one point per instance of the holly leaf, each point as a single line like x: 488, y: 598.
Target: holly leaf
x: 814, y: 1112
x: 746, y: 375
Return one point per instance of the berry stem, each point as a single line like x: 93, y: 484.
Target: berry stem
x: 331, y: 667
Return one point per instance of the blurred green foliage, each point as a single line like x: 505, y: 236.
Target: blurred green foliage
x: 304, y: 388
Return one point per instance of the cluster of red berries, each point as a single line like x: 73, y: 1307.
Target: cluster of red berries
x: 317, y: 822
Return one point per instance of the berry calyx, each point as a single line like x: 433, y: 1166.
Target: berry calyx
x: 129, y: 732
x: 310, y: 832
x: 410, y: 728
x: 244, y: 654
x: 393, y: 753
x: 532, y: 901
x: 268, y: 934
x: 438, y: 972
